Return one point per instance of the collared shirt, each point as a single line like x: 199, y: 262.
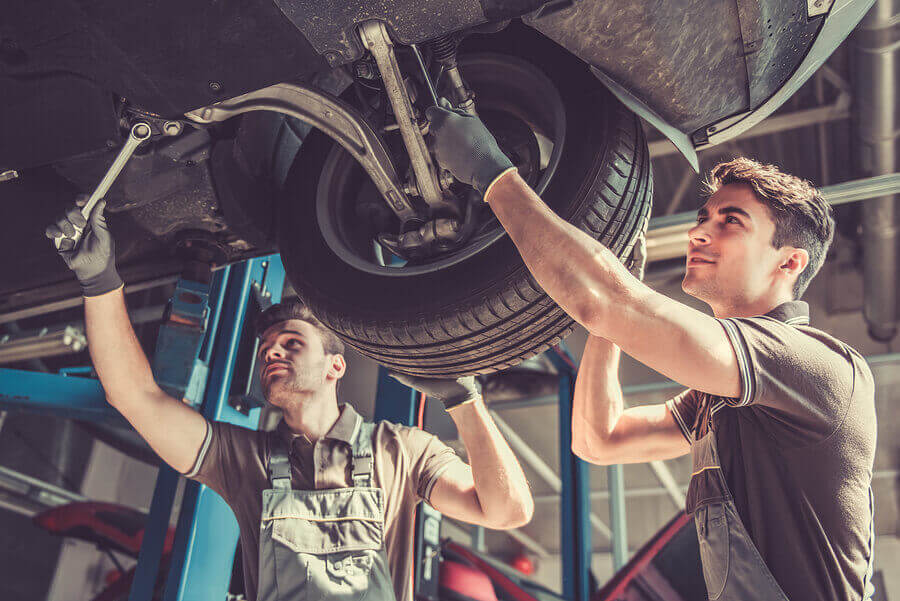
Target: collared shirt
x: 797, y: 449
x: 407, y: 463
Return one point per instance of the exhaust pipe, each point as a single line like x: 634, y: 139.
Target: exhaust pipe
x: 875, y: 84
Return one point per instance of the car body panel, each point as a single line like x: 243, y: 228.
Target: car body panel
x: 692, y: 63
x: 703, y: 71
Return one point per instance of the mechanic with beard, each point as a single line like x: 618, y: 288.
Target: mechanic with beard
x: 779, y: 417
x: 326, y: 502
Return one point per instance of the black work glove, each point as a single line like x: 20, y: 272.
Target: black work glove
x: 452, y: 393
x: 465, y: 147
x: 93, y: 260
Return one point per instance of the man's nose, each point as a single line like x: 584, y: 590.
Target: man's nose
x: 698, y: 235
x: 274, y: 352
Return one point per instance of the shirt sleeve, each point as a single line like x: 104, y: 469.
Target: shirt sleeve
x: 683, y: 409
x: 802, y: 375
x: 224, y: 452
x: 428, y: 458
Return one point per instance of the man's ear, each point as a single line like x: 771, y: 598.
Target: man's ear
x: 794, y: 262
x: 338, y: 367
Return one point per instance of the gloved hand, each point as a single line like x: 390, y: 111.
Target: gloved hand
x: 465, y: 147
x: 452, y: 393
x: 93, y: 260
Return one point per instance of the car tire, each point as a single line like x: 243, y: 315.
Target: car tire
x: 487, y: 312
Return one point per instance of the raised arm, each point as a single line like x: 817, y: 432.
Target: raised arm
x: 171, y: 428
x: 603, y: 431
x: 491, y: 490
x: 582, y: 275
x: 594, y: 288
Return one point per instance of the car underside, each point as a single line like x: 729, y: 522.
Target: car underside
x: 298, y: 127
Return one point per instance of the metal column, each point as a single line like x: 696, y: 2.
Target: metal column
x: 395, y: 402
x: 876, y: 76
x: 575, y: 508
x: 615, y: 480
x: 178, y: 347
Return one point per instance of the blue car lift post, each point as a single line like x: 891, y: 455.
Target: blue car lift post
x: 575, y: 503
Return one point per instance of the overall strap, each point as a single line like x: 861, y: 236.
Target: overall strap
x: 363, y: 456
x: 279, y: 464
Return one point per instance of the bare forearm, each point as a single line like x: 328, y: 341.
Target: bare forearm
x: 598, y: 402
x: 115, y: 351
x: 171, y: 428
x: 598, y: 394
x: 500, y: 483
x: 578, y: 272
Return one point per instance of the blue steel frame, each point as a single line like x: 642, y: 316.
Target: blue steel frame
x: 394, y: 402
x: 55, y: 394
x: 575, y: 498
x: 575, y: 502
x: 176, y: 367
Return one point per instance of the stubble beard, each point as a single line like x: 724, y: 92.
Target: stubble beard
x: 281, y: 390
x: 706, y: 289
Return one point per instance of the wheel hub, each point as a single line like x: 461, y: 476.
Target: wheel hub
x: 524, y: 111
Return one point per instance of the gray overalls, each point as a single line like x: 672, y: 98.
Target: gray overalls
x: 323, y: 544
x: 732, y: 566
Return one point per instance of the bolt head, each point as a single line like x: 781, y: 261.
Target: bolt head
x: 215, y: 86
x: 172, y: 128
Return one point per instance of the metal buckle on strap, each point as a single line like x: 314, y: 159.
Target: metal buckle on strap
x: 281, y: 483
x: 279, y: 464
x: 362, y: 470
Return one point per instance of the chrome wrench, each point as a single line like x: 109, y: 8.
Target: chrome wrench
x: 139, y: 132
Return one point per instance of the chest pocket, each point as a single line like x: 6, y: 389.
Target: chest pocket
x: 324, y: 543
x: 328, y: 521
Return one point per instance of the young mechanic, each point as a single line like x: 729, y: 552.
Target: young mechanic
x: 779, y: 417
x: 325, y: 503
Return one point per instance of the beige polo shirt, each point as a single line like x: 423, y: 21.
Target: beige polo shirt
x: 797, y: 450
x: 407, y: 463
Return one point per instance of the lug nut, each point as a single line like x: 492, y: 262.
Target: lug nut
x: 172, y: 128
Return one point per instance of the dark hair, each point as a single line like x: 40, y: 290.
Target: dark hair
x: 293, y: 308
x: 803, y: 219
